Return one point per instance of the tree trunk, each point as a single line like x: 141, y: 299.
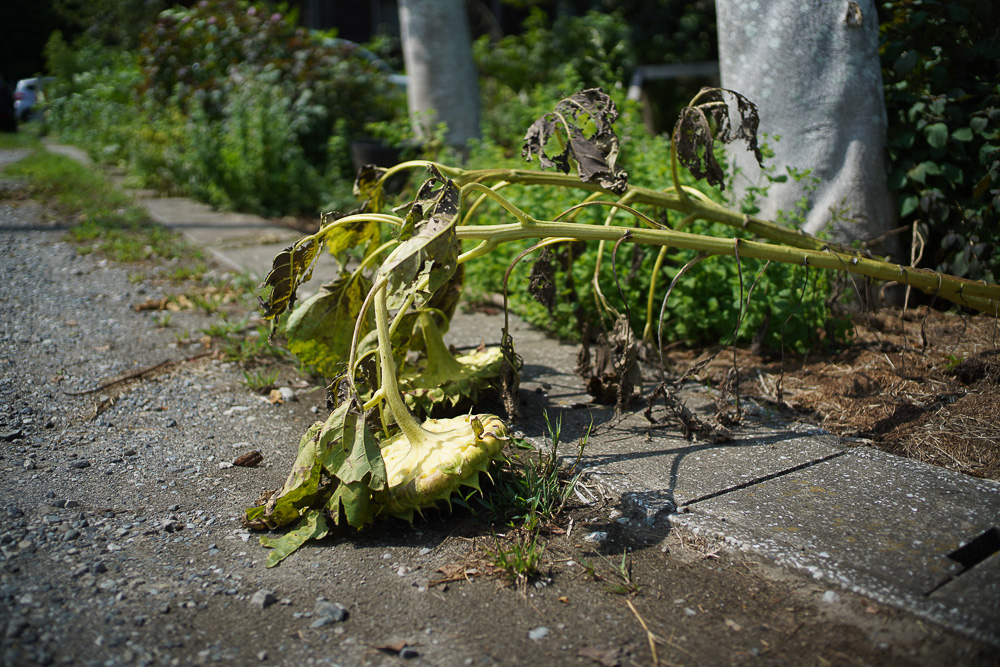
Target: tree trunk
x: 442, y: 85
x: 812, y: 67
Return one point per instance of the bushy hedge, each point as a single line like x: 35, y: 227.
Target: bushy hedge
x: 940, y: 67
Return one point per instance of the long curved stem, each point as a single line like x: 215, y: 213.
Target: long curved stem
x: 414, y: 432
x: 647, y: 333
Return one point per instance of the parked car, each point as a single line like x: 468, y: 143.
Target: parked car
x: 29, y: 97
x: 8, y: 116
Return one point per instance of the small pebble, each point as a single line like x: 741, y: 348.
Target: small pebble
x: 536, y: 634
x: 263, y: 599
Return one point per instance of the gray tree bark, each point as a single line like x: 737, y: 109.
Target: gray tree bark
x: 437, y: 50
x: 812, y: 67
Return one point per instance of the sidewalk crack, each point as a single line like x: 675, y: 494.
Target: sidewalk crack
x: 765, y: 478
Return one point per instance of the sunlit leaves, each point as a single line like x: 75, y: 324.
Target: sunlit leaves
x: 320, y: 330
x: 291, y: 267
x: 429, y: 247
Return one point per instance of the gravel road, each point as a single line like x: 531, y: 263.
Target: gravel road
x: 121, y: 542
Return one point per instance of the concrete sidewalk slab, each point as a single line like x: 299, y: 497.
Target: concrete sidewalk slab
x: 872, y: 522
x: 206, y: 226
x: 875, y: 523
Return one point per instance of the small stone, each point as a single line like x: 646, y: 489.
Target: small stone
x: 29, y: 464
x: 408, y: 653
x: 539, y: 633
x: 16, y: 627
x: 331, y: 611
x: 262, y: 656
x: 11, y: 436
x: 80, y: 464
x: 249, y: 460
x: 263, y: 599
x: 596, y: 536
x: 100, y: 567
x: 287, y: 394
x: 14, y: 512
x: 71, y: 535
x: 831, y: 597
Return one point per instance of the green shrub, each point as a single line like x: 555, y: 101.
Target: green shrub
x: 199, y: 58
x: 250, y: 159
x: 227, y: 101
x: 939, y: 65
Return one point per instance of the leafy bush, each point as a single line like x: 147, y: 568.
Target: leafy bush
x: 201, y: 56
x: 227, y: 102
x: 543, y: 63
x: 251, y: 159
x: 940, y: 63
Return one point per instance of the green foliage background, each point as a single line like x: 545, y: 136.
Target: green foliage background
x: 227, y: 101
x: 940, y: 69
x: 231, y: 102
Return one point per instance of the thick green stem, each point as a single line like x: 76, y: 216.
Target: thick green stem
x: 647, y: 333
x: 676, y: 199
x: 439, y: 358
x: 978, y: 295
x: 414, y: 432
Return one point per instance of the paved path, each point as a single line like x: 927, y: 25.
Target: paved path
x: 889, y: 528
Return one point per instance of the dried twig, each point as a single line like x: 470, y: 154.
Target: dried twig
x: 134, y: 375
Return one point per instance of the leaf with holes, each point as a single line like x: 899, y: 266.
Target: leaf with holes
x: 694, y: 135
x: 429, y: 247
x: 595, y: 155
x: 291, y: 267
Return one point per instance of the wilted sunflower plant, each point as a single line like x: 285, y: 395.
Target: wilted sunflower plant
x: 378, y: 325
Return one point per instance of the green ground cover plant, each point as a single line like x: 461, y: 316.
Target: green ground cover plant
x: 373, y: 458
x: 108, y: 221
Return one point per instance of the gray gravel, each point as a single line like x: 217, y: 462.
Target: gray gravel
x: 119, y: 520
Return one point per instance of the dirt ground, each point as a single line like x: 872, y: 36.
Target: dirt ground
x: 918, y: 383
x: 121, y: 544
